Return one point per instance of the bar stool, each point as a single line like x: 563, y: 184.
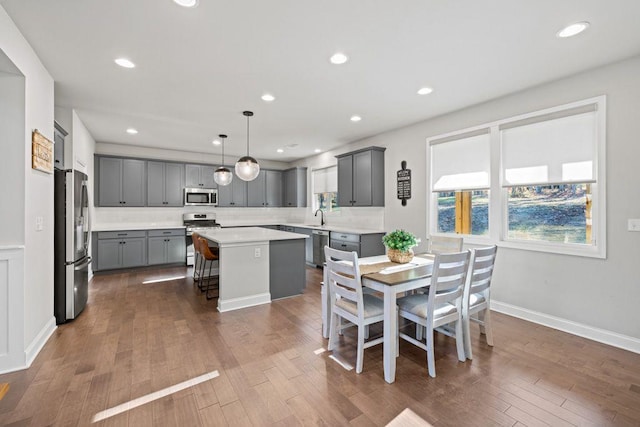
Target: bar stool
x: 208, y: 255
x: 195, y: 237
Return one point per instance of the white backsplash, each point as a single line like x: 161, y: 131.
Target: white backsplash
x: 362, y: 218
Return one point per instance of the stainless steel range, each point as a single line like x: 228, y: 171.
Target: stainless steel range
x: 198, y: 223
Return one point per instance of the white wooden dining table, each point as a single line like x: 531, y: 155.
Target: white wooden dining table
x: 389, y: 281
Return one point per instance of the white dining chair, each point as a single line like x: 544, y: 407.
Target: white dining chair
x: 441, y: 308
x: 444, y: 244
x: 476, y: 299
x: 349, y: 302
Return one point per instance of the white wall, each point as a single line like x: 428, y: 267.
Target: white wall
x: 39, y: 322
x: 591, y: 292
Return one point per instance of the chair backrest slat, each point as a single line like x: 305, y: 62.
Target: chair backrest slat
x: 480, y: 270
x: 449, y: 276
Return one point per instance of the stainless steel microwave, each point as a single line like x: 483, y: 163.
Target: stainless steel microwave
x: 200, y: 197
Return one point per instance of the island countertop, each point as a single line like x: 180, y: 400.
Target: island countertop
x: 234, y: 235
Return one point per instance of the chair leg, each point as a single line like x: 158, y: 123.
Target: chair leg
x: 419, y: 332
x: 466, y: 332
x: 333, y: 331
x: 460, y: 341
x: 481, y: 321
x: 397, y: 332
x: 487, y: 327
x: 360, y: 350
x: 366, y: 332
x: 431, y: 359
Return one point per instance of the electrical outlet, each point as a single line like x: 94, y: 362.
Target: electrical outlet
x: 39, y: 223
x: 256, y: 252
x: 633, y: 225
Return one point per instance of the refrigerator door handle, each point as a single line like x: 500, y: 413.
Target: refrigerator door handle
x: 84, y: 213
x: 82, y: 265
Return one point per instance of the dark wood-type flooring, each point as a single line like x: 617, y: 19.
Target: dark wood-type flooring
x: 134, y: 339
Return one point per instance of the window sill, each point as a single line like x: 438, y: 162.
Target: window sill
x: 571, y: 250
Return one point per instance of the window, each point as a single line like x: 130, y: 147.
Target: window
x: 460, y: 174
x: 325, y: 189
x: 534, y: 181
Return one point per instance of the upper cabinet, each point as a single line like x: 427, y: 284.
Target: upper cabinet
x: 165, y: 184
x: 265, y: 190
x: 234, y: 194
x: 200, y: 176
x: 361, y: 177
x: 295, y: 188
x: 120, y: 182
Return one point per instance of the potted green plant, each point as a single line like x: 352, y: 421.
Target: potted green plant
x: 399, y: 244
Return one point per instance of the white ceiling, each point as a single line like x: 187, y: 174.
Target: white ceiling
x: 198, y: 69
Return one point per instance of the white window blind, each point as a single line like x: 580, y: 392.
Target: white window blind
x: 555, y: 151
x: 461, y: 163
x: 325, y: 180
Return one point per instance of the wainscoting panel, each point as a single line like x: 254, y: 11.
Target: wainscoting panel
x: 12, y: 356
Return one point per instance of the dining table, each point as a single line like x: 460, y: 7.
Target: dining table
x: 390, y: 279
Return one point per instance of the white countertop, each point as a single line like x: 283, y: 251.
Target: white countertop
x: 135, y: 226
x: 231, y: 235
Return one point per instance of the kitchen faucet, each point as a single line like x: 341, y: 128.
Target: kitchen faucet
x: 321, y: 216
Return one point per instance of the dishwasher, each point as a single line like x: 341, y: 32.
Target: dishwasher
x: 320, y: 240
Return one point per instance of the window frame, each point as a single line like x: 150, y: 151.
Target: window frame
x: 498, y: 196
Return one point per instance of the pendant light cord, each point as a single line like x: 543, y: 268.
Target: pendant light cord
x: 247, y: 135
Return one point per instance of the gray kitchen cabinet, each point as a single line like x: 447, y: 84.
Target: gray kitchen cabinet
x: 369, y: 244
x: 295, y: 187
x: 265, y: 190
x: 200, y: 176
x: 361, y: 177
x: 121, y: 182
x: 165, y: 184
x: 308, y: 243
x: 166, y: 246
x: 121, y: 249
x: 234, y: 194
x: 59, y: 134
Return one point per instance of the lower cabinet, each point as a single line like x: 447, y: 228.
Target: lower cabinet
x: 137, y: 248
x: 166, y: 246
x: 364, y: 244
x: 121, y: 249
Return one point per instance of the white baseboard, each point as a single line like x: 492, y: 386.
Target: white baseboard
x: 596, y: 334
x: 250, y: 301
x: 39, y: 341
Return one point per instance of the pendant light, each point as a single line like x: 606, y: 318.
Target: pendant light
x: 247, y: 168
x: 223, y: 175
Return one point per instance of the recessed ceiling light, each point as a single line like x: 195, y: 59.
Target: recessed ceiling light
x: 355, y: 118
x: 280, y: 150
x: 338, y: 58
x: 216, y: 142
x: 317, y: 150
x: 124, y: 62
x: 268, y: 97
x: 132, y: 131
x: 573, y: 29
x: 187, y: 3
x: 425, y: 91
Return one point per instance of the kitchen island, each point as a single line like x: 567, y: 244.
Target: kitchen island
x: 257, y: 265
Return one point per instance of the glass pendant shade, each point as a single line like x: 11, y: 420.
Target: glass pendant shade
x: 222, y: 175
x: 247, y: 168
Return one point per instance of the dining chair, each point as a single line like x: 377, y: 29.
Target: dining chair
x: 444, y: 244
x: 476, y: 298
x: 349, y: 302
x: 441, y: 308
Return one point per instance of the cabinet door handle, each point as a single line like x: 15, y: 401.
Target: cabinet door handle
x: 122, y: 234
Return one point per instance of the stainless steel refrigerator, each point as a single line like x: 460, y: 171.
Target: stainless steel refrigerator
x: 71, y: 244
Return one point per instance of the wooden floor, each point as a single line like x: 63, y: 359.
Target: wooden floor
x: 136, y: 338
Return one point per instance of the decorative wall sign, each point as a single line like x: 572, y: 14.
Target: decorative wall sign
x: 41, y: 153
x: 404, y: 183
